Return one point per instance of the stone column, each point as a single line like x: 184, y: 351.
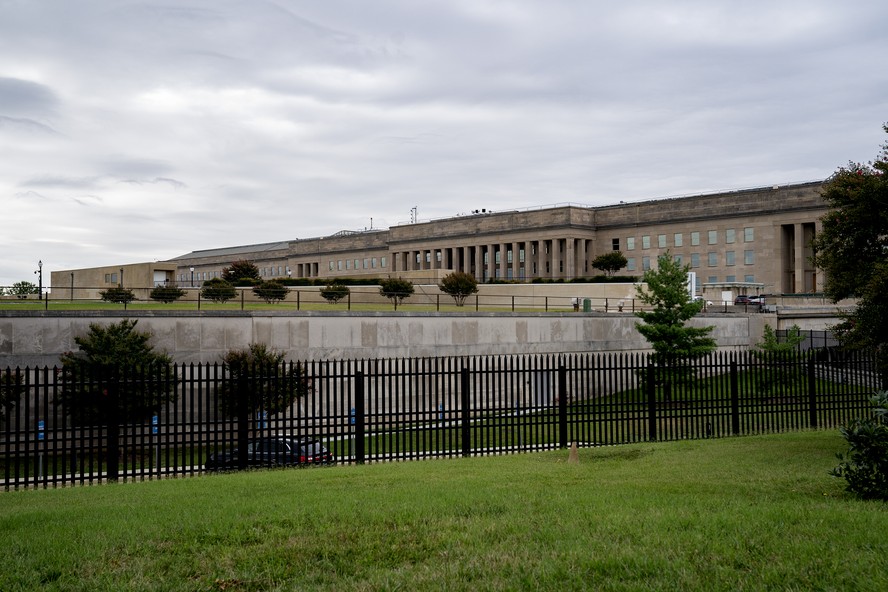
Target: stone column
x: 799, y: 256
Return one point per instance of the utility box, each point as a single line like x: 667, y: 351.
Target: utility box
x: 587, y: 305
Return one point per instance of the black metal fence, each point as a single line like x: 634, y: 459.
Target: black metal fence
x: 400, y: 409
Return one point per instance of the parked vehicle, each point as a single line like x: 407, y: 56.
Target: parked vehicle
x: 743, y: 299
x: 274, y: 451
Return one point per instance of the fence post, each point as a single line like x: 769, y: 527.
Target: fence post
x: 651, y: 400
x: 242, y: 297
x: 360, y: 435
x: 110, y: 383
x: 437, y: 303
x: 812, y: 394
x: 464, y: 412
x: 735, y: 398
x: 562, y: 406
x: 243, y: 419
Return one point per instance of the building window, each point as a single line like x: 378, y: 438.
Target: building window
x: 339, y: 265
x: 645, y: 263
x: 677, y: 259
x: 695, y: 259
x: 661, y: 241
x: 731, y: 278
x: 712, y: 279
x: 729, y: 257
x: 678, y: 239
x: 508, y: 256
x: 615, y: 244
x: 712, y: 259
x: 749, y: 257
x: 748, y: 235
x: 373, y: 263
x: 630, y: 243
x: 382, y: 262
x: 749, y: 278
x: 630, y: 264
x: 730, y: 236
x: 348, y: 264
x: 695, y: 239
x: 713, y: 237
x: 646, y: 242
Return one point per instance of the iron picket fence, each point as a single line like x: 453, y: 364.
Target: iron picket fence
x: 57, y: 429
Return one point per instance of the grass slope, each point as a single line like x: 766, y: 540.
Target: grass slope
x: 748, y: 513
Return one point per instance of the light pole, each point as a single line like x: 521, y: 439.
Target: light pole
x: 192, y: 277
x: 121, y: 277
x: 39, y: 273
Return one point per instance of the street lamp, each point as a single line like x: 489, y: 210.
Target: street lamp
x: 192, y: 277
x: 121, y: 277
x: 39, y: 273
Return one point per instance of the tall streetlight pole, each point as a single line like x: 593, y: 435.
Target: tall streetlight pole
x: 192, y: 277
x: 39, y: 273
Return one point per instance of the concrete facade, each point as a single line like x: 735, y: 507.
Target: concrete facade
x: 757, y: 236
x: 85, y: 284
x: 29, y: 339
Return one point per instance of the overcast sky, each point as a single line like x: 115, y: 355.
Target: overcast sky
x: 139, y: 131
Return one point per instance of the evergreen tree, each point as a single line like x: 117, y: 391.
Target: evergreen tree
x: 664, y: 325
x: 115, y: 356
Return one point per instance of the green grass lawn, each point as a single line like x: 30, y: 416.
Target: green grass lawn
x: 751, y: 513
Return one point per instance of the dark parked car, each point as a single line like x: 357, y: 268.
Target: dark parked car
x: 274, y: 451
x: 745, y: 299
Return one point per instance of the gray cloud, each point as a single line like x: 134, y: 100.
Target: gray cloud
x: 157, y: 128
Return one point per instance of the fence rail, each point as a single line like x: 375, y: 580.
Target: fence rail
x: 402, y: 409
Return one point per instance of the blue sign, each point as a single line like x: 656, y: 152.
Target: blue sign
x: 154, y: 424
x: 40, y: 427
x: 352, y: 416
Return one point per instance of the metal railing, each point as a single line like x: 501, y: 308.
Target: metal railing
x: 403, y: 409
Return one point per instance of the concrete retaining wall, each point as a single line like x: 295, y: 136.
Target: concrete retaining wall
x: 38, y: 338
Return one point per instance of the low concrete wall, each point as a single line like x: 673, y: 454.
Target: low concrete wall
x: 38, y: 338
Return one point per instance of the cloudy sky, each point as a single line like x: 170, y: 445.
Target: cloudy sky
x: 134, y: 131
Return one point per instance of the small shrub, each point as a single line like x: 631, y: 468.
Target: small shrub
x: 271, y: 291
x: 166, y: 293
x: 217, y: 290
x: 117, y: 295
x: 865, y: 464
x: 335, y: 291
x: 396, y: 290
x: 459, y: 285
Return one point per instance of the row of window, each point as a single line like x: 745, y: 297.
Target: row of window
x: 695, y: 260
x: 678, y: 239
x: 348, y: 264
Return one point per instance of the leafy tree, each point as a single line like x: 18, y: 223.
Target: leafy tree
x: 241, y: 273
x: 664, y: 326
x: 269, y: 383
x: 335, y: 291
x: 166, y: 293
x: 865, y: 464
x: 23, y: 289
x: 459, y: 285
x: 117, y: 295
x: 610, y: 263
x: 110, y: 356
x: 217, y: 290
x: 852, y: 249
x: 396, y: 290
x: 11, y: 390
x: 271, y: 291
